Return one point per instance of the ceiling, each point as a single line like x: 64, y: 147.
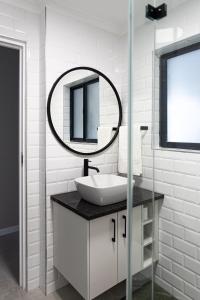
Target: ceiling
x: 30, y: 5
x: 110, y: 15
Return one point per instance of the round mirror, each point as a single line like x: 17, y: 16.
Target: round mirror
x: 84, y: 111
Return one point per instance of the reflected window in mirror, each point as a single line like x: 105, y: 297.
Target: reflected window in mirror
x: 84, y: 111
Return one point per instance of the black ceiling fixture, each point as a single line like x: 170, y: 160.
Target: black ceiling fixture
x: 156, y: 13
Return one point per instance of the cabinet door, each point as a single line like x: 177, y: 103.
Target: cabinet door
x: 136, y: 243
x: 103, y: 254
x: 71, y: 251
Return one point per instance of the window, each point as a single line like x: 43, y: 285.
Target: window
x: 180, y: 98
x: 84, y: 111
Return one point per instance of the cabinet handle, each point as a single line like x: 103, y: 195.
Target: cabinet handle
x: 124, y: 234
x: 114, y: 235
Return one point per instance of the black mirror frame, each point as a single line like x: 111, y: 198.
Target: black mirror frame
x: 51, y: 123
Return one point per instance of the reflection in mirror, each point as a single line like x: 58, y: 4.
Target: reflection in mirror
x: 85, y: 110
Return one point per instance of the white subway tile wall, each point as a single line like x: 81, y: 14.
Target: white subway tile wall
x: 71, y: 43
x: 177, y: 174
x: 24, y: 25
x: 42, y: 153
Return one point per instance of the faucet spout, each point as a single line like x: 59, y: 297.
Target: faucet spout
x: 87, y: 167
x: 94, y: 168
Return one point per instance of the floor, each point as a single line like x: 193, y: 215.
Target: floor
x: 9, y: 289
x: 9, y: 264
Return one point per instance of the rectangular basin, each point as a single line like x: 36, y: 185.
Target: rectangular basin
x: 102, y: 189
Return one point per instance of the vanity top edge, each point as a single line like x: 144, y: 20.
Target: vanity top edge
x: 73, y: 202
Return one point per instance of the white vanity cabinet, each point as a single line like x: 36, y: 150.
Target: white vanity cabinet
x: 136, y: 243
x: 103, y: 247
x: 92, y: 254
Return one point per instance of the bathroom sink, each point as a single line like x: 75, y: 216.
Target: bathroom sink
x: 102, y: 189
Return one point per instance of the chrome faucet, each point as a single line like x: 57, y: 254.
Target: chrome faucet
x: 87, y: 167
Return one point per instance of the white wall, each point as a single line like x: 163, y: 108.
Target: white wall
x: 42, y: 152
x: 71, y: 43
x: 22, y: 25
x: 177, y: 173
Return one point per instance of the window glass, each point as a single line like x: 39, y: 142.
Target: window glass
x: 78, y: 113
x: 183, y: 98
x: 92, y: 110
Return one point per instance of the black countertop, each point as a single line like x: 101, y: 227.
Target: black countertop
x: 89, y: 211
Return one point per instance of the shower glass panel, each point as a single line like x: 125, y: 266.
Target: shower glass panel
x: 164, y: 91
x: 176, y: 155
x: 143, y: 218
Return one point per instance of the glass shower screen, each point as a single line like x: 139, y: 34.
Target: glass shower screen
x: 142, y: 211
x: 176, y: 147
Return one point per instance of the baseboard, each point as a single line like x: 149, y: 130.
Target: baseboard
x: 9, y: 230
x: 56, y: 285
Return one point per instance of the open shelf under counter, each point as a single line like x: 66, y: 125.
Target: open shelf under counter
x: 148, y: 241
x: 147, y: 222
x: 147, y: 263
x: 149, y: 234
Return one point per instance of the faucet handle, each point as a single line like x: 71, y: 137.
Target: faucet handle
x: 87, y: 160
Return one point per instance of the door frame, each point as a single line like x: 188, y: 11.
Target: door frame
x: 21, y: 46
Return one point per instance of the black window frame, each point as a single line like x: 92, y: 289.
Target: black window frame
x: 163, y: 101
x: 83, y: 85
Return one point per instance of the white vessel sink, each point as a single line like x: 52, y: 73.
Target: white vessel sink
x: 102, y: 189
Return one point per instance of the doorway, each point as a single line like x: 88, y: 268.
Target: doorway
x: 12, y: 169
